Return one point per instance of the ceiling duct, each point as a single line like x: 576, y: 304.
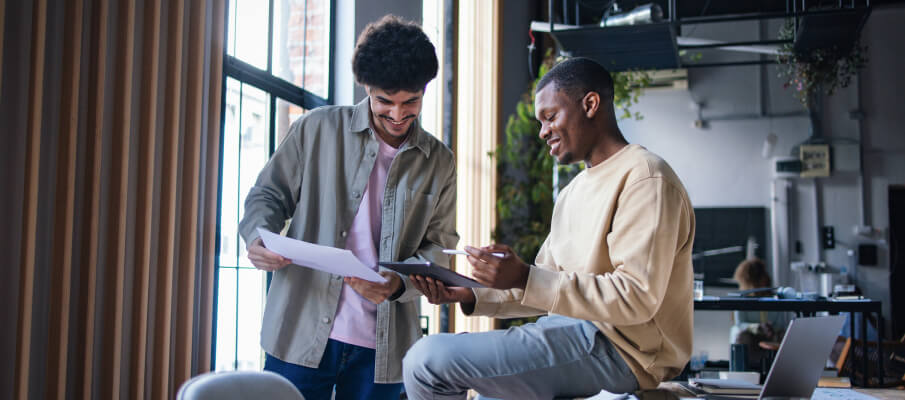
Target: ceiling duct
x: 646, y: 38
x: 643, y: 14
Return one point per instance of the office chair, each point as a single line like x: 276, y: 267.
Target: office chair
x: 235, y: 385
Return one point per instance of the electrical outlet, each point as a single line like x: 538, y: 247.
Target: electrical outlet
x: 828, y: 237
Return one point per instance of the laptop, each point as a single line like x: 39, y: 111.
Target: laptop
x: 800, y: 359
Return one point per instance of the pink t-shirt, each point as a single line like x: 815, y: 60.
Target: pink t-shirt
x: 356, y: 318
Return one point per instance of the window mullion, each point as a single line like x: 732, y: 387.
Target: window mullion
x: 238, y: 196
x: 270, y: 38
x: 305, y: 46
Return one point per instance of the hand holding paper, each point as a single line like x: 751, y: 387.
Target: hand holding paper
x: 322, y: 258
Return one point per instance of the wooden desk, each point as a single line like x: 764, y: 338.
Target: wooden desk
x: 810, y: 308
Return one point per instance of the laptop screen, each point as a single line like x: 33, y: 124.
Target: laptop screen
x: 802, y: 356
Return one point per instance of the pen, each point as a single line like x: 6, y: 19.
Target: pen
x: 462, y: 252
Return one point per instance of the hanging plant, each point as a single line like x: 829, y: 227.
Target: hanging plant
x: 819, y: 71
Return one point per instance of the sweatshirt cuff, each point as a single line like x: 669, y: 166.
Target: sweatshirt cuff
x: 486, y: 302
x: 542, y: 289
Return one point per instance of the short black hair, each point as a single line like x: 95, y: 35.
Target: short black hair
x: 393, y: 54
x: 577, y: 77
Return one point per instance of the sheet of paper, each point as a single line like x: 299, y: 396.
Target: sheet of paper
x: 323, y: 258
x: 839, y: 394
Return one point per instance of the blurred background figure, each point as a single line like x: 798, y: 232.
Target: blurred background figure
x: 751, y: 328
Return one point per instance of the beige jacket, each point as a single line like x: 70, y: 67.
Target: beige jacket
x: 619, y: 255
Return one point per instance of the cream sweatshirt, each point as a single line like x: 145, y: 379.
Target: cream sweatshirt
x: 618, y: 255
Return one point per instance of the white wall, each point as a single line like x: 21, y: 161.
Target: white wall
x: 722, y: 165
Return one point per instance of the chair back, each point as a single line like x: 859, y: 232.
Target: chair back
x: 236, y: 385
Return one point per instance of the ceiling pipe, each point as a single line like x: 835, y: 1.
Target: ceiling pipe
x: 768, y: 47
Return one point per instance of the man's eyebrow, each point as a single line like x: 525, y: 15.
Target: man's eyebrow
x: 413, y: 98
x: 540, y: 112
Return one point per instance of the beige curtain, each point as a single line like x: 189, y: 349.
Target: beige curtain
x: 110, y: 113
x: 477, y: 122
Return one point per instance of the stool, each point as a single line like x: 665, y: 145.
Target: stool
x: 767, y: 362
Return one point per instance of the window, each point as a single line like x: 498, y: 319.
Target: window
x: 277, y: 66
x: 433, y: 12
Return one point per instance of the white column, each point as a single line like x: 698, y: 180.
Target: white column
x: 477, y: 126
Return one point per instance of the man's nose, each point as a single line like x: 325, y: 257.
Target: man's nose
x: 544, y: 131
x: 396, y: 113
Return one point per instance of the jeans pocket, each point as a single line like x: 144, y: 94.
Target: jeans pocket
x: 605, y: 351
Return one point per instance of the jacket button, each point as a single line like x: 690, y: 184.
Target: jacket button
x: 344, y: 233
x: 355, y: 194
x: 325, y: 320
x: 372, y: 154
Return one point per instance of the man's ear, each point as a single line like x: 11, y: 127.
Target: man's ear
x: 590, y: 104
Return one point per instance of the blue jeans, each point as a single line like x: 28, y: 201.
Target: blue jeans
x: 347, y: 368
x: 555, y: 357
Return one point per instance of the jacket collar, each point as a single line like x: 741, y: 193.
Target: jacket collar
x: 361, y: 122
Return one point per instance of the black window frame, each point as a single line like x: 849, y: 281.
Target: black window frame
x: 276, y: 88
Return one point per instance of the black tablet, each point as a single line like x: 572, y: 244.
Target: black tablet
x: 434, y: 271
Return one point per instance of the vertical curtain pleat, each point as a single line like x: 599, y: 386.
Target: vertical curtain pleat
x: 147, y: 132
x: 212, y: 187
x: 30, y: 206
x: 117, y: 202
x: 123, y: 139
x: 64, y: 213
x: 91, y: 238
x: 189, y: 202
x: 165, y: 259
x: 2, y: 28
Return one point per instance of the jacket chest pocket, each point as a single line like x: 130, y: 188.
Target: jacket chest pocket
x: 416, y: 215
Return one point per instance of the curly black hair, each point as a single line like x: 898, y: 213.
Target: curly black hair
x: 393, y: 54
x: 578, y: 76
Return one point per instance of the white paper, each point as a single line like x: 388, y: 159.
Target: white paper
x: 323, y: 258
x: 839, y: 394
x: 604, y: 395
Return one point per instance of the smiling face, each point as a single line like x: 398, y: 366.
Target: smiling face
x: 392, y: 114
x: 564, y: 124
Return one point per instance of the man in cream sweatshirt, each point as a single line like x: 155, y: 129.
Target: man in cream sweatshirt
x: 614, y: 275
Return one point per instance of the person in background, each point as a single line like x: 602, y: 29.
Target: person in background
x: 614, y: 274
x: 753, y: 327
x: 365, y: 178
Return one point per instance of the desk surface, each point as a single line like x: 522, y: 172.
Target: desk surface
x: 772, y: 304
x: 673, y: 390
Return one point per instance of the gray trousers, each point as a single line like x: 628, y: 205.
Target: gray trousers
x: 555, y: 357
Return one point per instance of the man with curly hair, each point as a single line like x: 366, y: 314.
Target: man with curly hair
x: 366, y: 178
